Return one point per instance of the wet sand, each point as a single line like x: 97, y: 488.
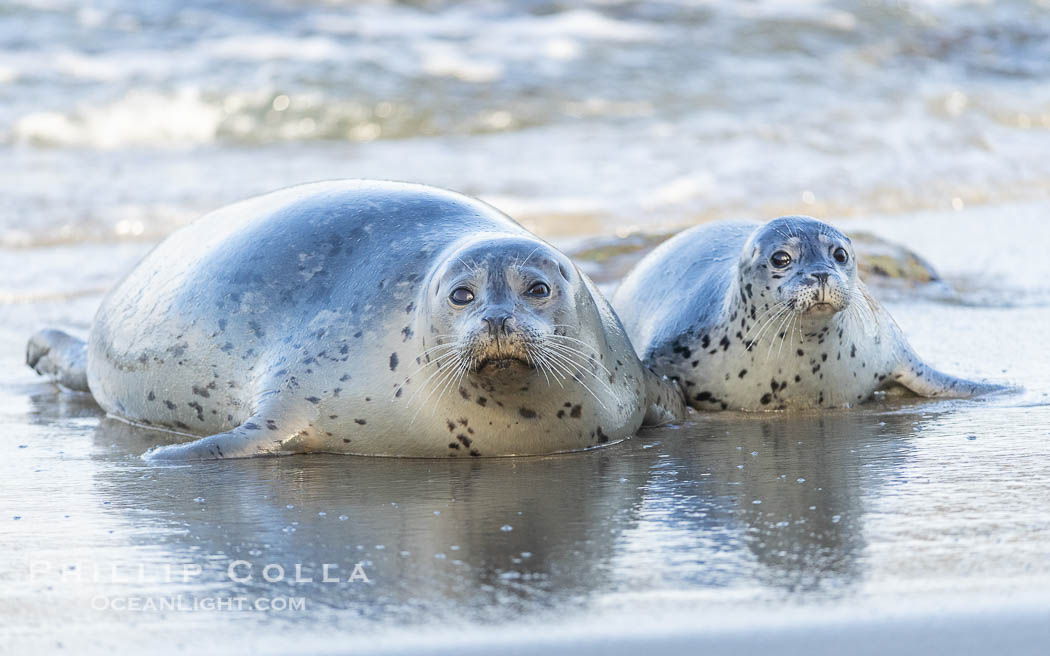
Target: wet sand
x: 901, y: 526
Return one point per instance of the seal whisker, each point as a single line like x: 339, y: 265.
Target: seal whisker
x: 537, y: 363
x: 425, y: 354
x: 791, y: 332
x: 542, y: 361
x: 590, y: 356
x: 761, y: 320
x: 444, y: 357
x: 583, y: 385
x: 526, y: 261
x: 555, y: 356
x: 781, y: 310
x: 778, y: 332
x: 571, y: 353
x: 448, y: 374
x: 445, y: 370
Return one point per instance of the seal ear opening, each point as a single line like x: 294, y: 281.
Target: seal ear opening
x: 563, y: 272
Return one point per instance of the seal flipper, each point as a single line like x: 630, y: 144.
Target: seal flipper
x: 664, y: 400
x: 271, y: 431
x: 922, y: 379
x: 59, y: 356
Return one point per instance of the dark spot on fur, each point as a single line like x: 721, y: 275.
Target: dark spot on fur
x: 313, y: 399
x: 766, y: 398
x: 360, y: 422
x: 577, y: 411
x: 393, y: 362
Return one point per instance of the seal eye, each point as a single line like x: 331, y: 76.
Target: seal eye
x: 780, y: 259
x: 539, y: 290
x: 840, y: 255
x: 461, y: 296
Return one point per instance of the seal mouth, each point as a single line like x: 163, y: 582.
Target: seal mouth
x: 821, y: 307
x: 500, y: 363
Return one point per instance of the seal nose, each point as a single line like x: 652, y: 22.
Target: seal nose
x: 822, y: 278
x: 498, y: 324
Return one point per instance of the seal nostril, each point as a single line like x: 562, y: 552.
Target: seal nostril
x: 498, y: 325
x: 821, y: 277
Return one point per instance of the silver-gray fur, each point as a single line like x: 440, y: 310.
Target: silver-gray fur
x: 319, y: 318
x: 747, y: 316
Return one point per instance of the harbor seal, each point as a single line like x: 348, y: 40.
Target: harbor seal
x: 769, y: 317
x: 361, y: 317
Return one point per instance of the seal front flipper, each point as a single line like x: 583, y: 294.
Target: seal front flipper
x: 271, y: 431
x: 664, y: 402
x: 922, y: 379
x: 59, y: 356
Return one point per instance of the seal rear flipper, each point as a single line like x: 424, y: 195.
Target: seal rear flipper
x: 266, y: 433
x: 924, y: 380
x: 59, y: 356
x: 664, y: 400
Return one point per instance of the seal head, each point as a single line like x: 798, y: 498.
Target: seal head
x: 809, y: 265
x: 501, y: 307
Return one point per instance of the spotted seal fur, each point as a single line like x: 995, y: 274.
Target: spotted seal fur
x: 770, y: 317
x: 361, y: 317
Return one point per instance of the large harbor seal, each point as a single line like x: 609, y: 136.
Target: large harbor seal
x: 769, y: 317
x: 361, y: 317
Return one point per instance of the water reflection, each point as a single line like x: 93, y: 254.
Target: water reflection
x: 760, y: 505
x: 787, y: 494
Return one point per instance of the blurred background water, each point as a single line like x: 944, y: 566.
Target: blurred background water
x: 900, y: 526
x: 122, y: 119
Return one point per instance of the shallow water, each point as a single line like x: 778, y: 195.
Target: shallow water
x: 894, y: 519
x: 902, y: 526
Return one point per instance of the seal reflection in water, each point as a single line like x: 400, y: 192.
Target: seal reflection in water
x: 361, y: 317
x: 770, y: 317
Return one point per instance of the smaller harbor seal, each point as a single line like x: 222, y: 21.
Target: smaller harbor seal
x: 370, y: 318
x: 770, y: 317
